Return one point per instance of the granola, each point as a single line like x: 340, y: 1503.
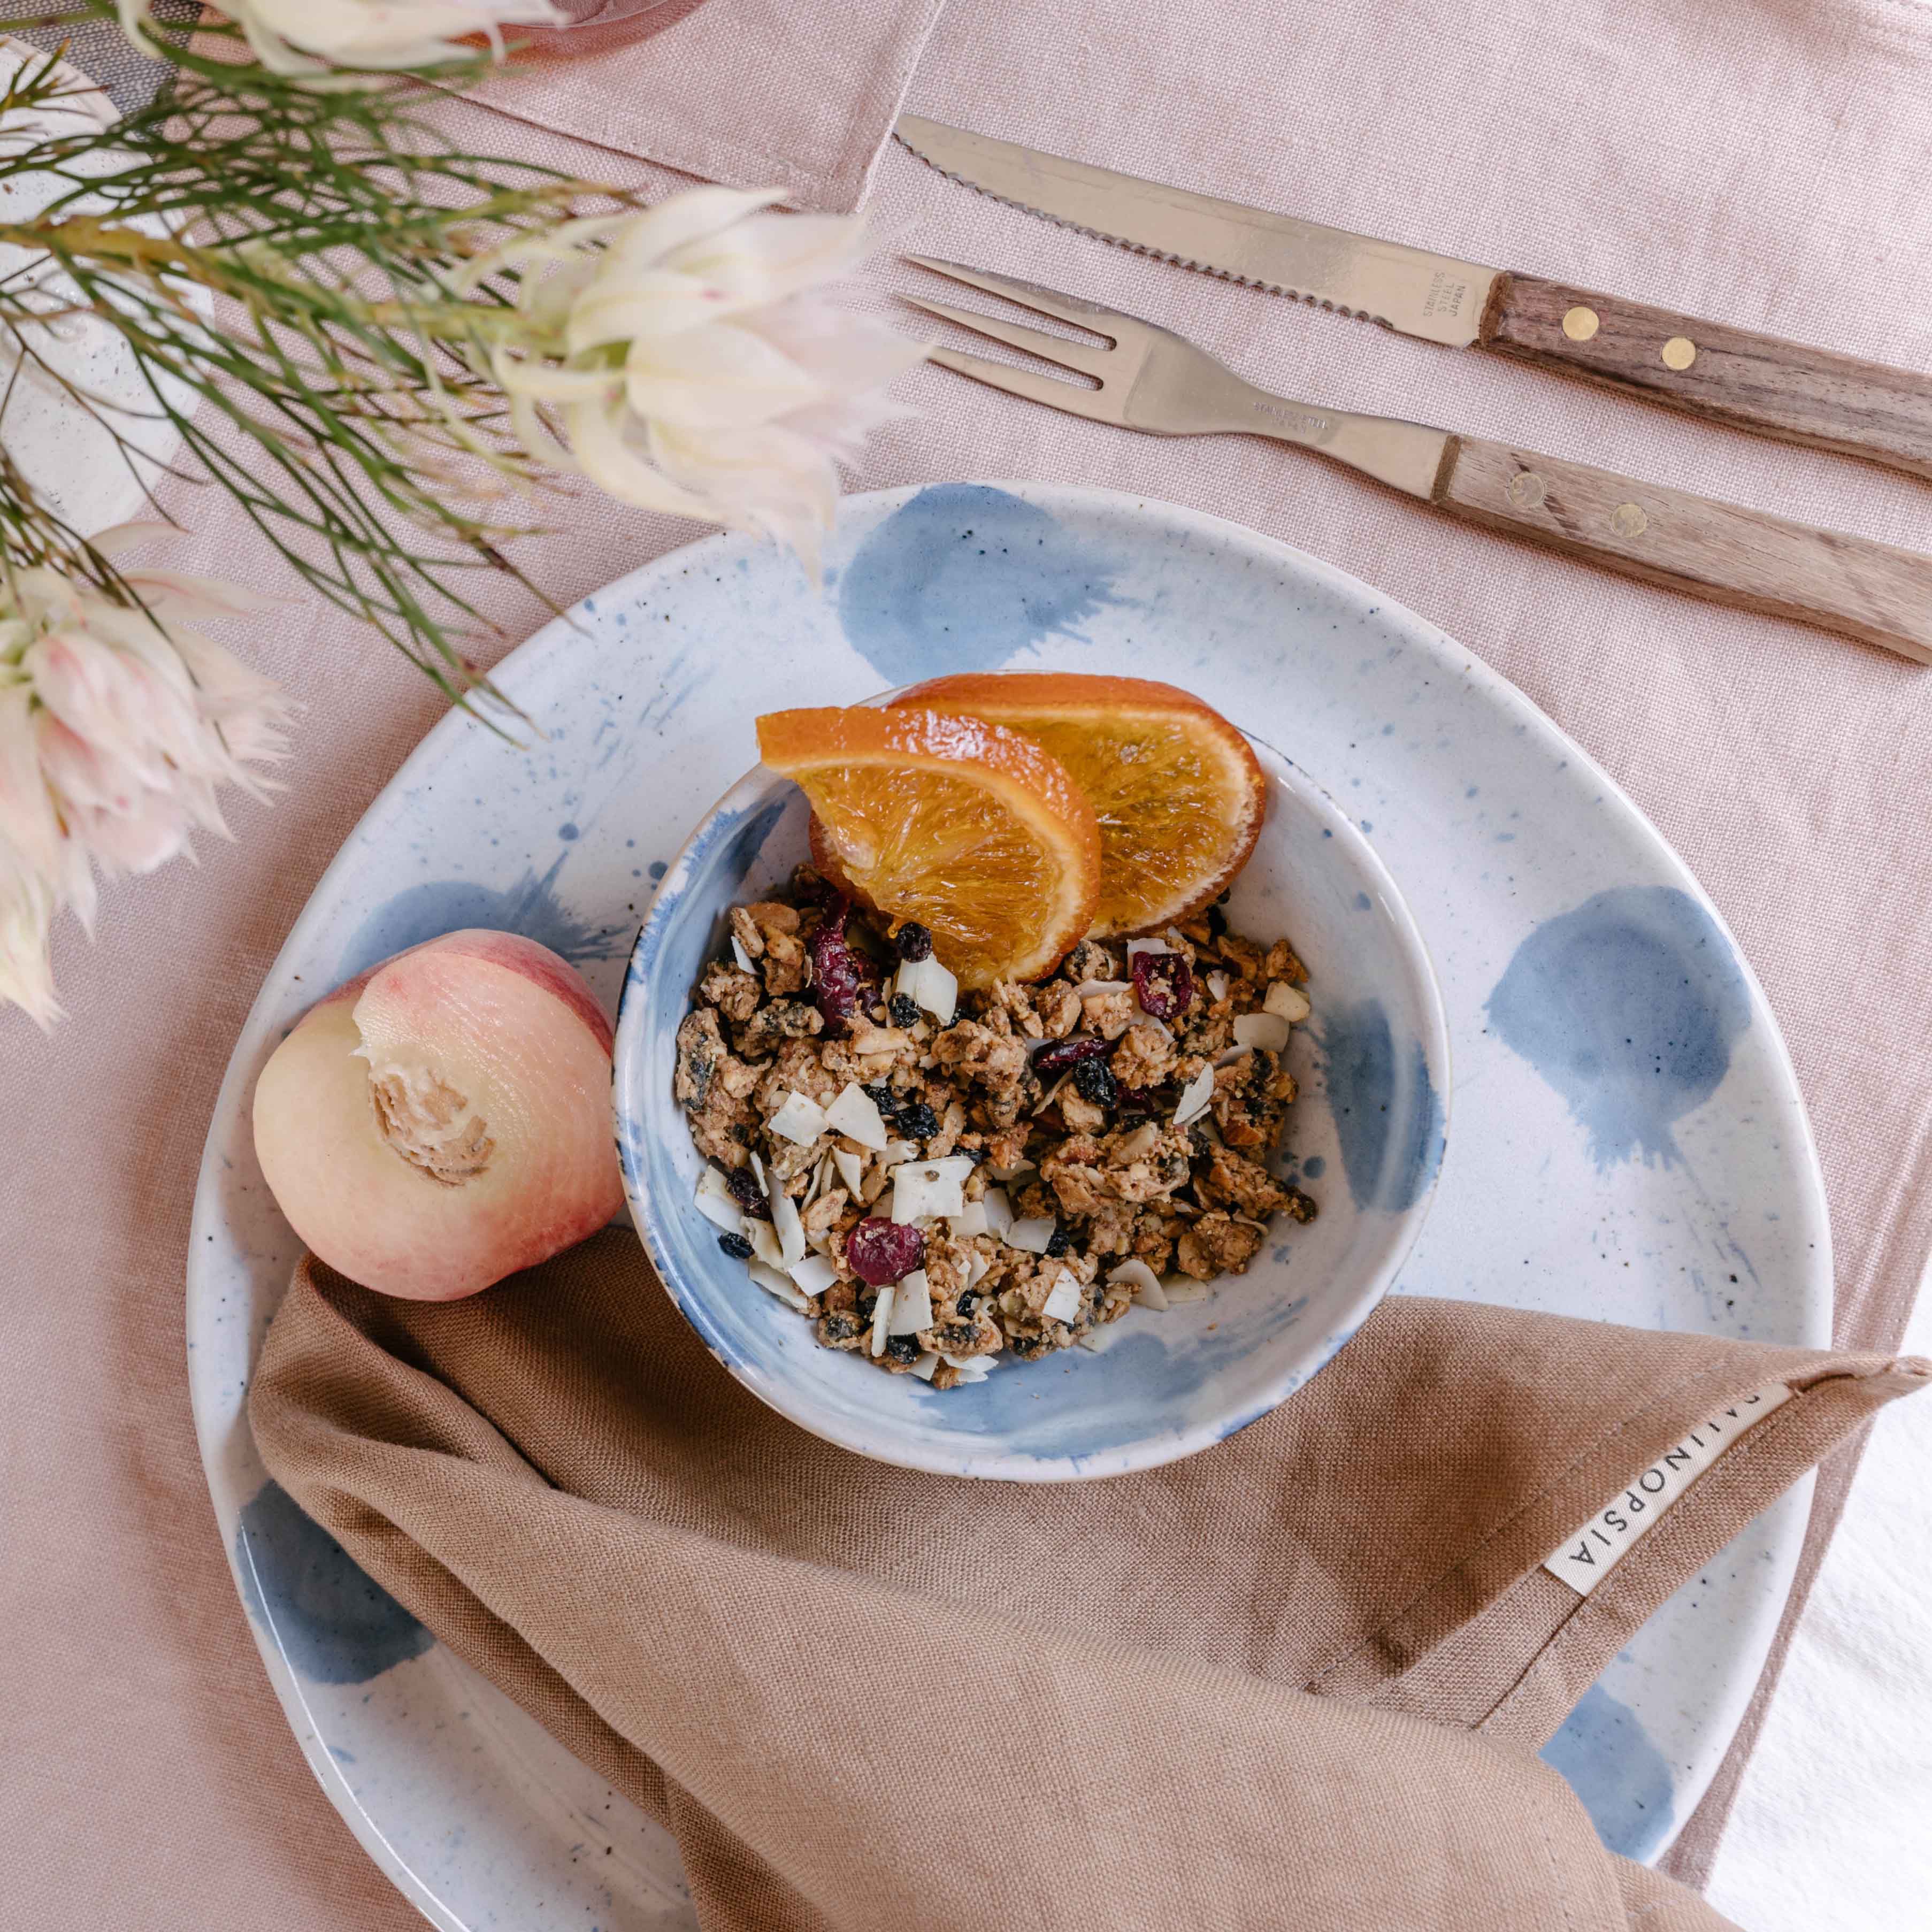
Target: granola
x: 935, y: 1180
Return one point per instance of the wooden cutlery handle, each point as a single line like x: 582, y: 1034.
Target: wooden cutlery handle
x: 1757, y: 382
x: 1746, y: 558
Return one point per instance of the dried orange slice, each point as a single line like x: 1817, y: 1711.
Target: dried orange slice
x: 968, y: 828
x: 1179, y: 795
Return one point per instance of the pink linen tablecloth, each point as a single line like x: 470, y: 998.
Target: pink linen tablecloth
x: 1759, y: 160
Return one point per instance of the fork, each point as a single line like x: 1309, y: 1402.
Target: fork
x: 1148, y: 378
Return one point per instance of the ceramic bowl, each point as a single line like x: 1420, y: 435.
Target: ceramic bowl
x: 1365, y: 1139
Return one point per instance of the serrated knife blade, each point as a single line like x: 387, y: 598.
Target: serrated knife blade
x: 1432, y: 296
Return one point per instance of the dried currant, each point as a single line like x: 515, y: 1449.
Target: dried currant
x: 1094, y: 1080
x: 1058, y: 1242
x: 838, y: 974
x: 736, y: 1246
x: 1058, y: 1056
x: 904, y: 1010
x: 913, y: 941
x: 745, y: 1190
x: 916, y: 1120
x: 968, y: 1300
x: 901, y: 1348
x: 881, y: 1251
x: 1162, y: 984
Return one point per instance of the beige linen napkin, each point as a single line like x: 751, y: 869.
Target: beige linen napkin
x: 865, y: 1697
x: 752, y: 93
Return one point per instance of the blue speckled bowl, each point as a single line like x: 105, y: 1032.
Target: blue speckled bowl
x: 1372, y: 1062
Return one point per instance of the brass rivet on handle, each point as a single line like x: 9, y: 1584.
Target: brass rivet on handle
x: 1526, y: 490
x: 1580, y: 323
x: 1627, y: 520
x: 1679, y: 352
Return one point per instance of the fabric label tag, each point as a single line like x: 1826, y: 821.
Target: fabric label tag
x: 1588, y: 1556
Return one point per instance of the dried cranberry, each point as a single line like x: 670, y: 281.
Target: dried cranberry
x: 913, y: 941
x: 1062, y: 1054
x: 1136, y: 1103
x: 1093, y: 1081
x: 1162, y: 984
x: 838, y: 974
x: 745, y: 1191
x: 881, y: 1251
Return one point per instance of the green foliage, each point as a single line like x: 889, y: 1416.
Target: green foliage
x: 330, y: 385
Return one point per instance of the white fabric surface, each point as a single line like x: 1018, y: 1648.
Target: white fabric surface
x: 1832, y: 1828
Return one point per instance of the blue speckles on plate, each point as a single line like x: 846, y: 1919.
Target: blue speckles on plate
x: 337, y: 1626
x: 964, y: 578
x: 1609, y: 1762
x: 1629, y: 1006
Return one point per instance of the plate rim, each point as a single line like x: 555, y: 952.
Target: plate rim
x: 251, y: 1039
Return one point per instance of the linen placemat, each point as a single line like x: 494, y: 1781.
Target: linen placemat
x: 862, y: 1697
x: 752, y: 93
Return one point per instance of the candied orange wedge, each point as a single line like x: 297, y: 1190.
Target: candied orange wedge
x: 1179, y: 795
x: 968, y: 828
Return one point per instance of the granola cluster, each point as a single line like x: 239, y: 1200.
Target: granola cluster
x: 937, y: 1181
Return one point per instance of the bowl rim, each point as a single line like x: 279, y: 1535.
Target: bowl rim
x: 1155, y: 1447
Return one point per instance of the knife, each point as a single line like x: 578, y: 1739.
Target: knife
x: 1734, y: 375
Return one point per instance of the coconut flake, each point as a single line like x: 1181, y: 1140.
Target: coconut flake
x: 1063, y: 1304
x: 1013, y: 1173
x: 975, y: 1368
x: 1145, y: 1283
x: 773, y: 1283
x: 816, y: 1186
x: 970, y: 1220
x: 999, y: 1211
x: 882, y: 1313
x: 893, y: 1152
x: 1032, y: 1234
x: 1195, y: 1096
x: 715, y: 1202
x: 978, y: 1268
x: 814, y: 1275
x: 1268, y: 1031
x: 851, y: 1169
x: 929, y: 985
x: 912, y: 1305
x: 758, y: 1173
x: 1286, y: 1002
x: 800, y: 1119
x: 765, y: 1242
x: 924, y: 1367
x: 1053, y: 1092
x: 1087, y: 988
x: 1217, y: 985
x: 1098, y: 1341
x: 857, y: 1116
x: 1183, y: 1288
x: 790, y: 1228
x: 1135, y: 946
x: 738, y: 953
x: 1229, y: 1054
x: 924, y: 1189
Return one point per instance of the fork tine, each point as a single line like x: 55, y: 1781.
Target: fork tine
x: 1081, y: 356
x: 1087, y: 315
x: 1099, y: 404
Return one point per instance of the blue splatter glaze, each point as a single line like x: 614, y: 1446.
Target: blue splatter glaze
x: 1388, y: 1114
x: 965, y: 578
x: 531, y: 908
x: 337, y: 1626
x: 1620, y: 1777
x: 1629, y: 1007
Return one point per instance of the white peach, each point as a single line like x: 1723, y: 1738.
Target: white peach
x: 444, y: 1120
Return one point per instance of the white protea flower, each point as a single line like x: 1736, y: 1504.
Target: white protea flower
x: 310, y: 37
x: 116, y: 733
x: 686, y: 358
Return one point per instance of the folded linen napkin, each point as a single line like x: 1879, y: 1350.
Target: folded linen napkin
x: 752, y: 93
x: 1296, y: 1681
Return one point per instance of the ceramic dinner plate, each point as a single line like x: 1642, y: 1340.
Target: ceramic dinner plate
x: 1628, y: 1141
